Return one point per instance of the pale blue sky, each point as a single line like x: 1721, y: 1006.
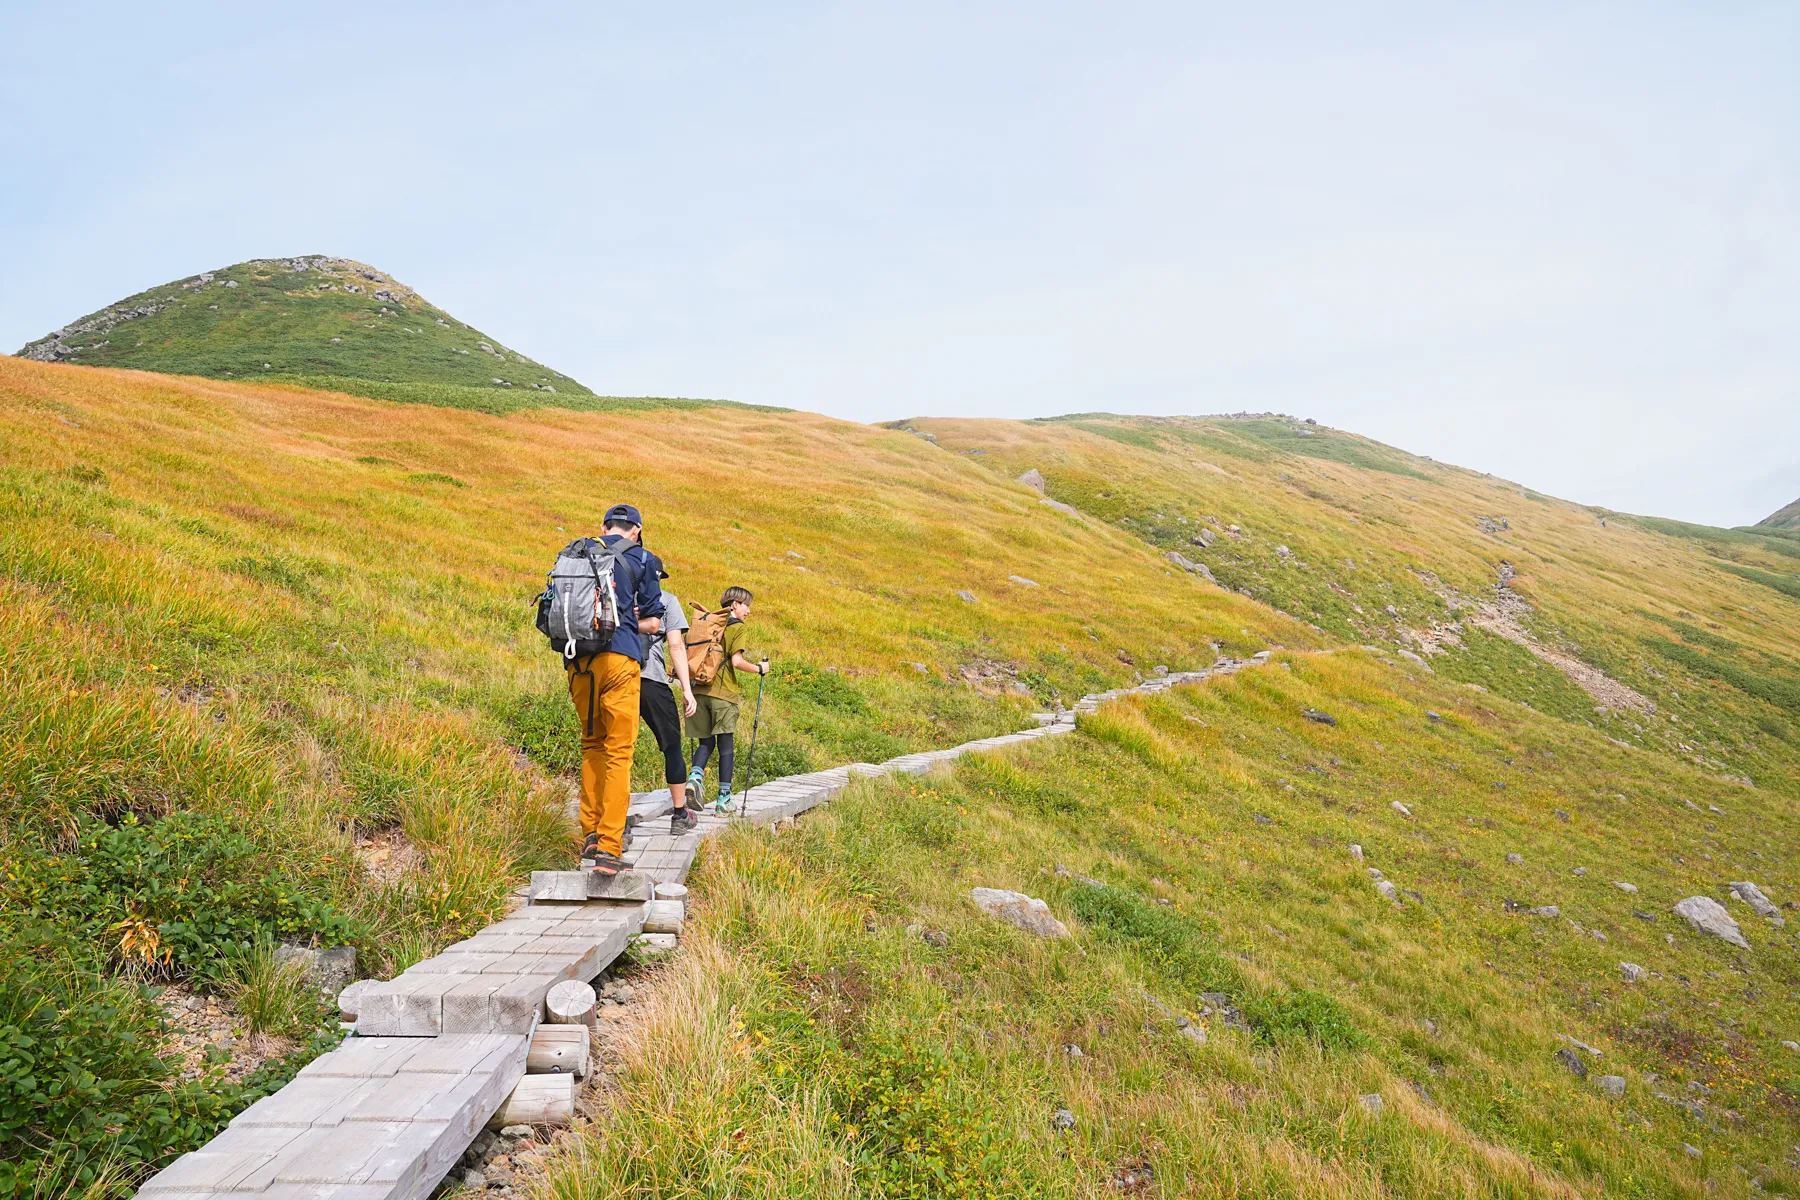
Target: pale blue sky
x: 1559, y: 242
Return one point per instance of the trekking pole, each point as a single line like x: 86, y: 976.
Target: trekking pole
x: 755, y: 724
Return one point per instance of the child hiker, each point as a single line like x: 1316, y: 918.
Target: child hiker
x: 714, y: 721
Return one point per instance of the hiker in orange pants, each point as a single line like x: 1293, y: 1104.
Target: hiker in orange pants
x: 604, y: 687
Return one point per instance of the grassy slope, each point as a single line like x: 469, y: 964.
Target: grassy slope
x: 297, y: 320
x: 808, y: 995
x: 1785, y: 517
x: 808, y: 992
x: 1677, y: 612
x: 308, y: 611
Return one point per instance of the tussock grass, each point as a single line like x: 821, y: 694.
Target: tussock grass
x: 269, y: 994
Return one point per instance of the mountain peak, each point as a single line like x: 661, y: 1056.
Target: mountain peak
x: 318, y: 318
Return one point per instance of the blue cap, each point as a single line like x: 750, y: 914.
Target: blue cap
x: 622, y: 514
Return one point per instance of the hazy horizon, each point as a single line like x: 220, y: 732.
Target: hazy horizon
x: 1556, y: 244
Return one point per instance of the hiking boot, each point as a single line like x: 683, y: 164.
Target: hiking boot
x: 693, y: 786
x: 682, y: 820
x: 607, y: 864
x: 726, y: 803
x: 589, y: 848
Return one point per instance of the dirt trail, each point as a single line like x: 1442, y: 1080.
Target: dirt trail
x: 1503, y: 616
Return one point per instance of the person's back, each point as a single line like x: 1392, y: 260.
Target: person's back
x: 605, y: 686
x: 715, y: 720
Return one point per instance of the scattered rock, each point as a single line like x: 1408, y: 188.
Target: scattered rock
x: 1515, y: 859
x: 1690, y: 1151
x: 1033, y: 479
x: 1073, y: 1051
x: 1430, y: 1026
x: 1261, y: 819
x: 1707, y: 915
x: 1192, y: 1033
x: 1752, y: 895
x: 1544, y: 910
x: 1401, y: 809
x: 1580, y: 871
x: 1430, y: 714
x: 1016, y: 908
x: 1323, y: 718
x: 475, y: 1181
x: 1561, y: 815
x: 1022, y: 581
x: 1794, y: 1046
x: 1062, y: 1120
x: 1388, y: 890
x: 516, y: 1131
x: 1572, y: 1062
x: 1372, y: 1102
x: 966, y: 597
x: 1625, y: 887
x: 1641, y: 915
x: 1356, y: 852
x: 1612, y: 1085
x: 1632, y: 972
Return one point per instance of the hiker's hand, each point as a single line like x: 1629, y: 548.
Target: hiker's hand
x: 762, y: 668
x: 690, y: 706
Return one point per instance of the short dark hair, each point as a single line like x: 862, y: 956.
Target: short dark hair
x: 734, y: 595
x: 611, y: 525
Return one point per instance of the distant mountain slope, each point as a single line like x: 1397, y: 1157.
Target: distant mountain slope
x: 1783, y: 518
x: 325, y: 322
x: 1681, y: 641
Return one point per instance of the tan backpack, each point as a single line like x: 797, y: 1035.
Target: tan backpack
x: 705, y: 640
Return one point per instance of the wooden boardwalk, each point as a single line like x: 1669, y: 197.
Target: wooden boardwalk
x: 437, y: 1050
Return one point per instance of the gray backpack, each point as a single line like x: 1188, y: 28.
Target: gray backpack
x: 579, y: 607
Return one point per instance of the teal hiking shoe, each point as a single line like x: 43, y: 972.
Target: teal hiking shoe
x: 726, y: 803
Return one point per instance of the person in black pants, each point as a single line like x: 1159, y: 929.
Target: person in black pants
x: 659, y: 706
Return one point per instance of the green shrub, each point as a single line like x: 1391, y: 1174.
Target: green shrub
x: 774, y: 758
x: 86, y: 1104
x: 910, y: 1135
x: 826, y: 689
x: 1302, y: 1015
x: 174, y: 895
x: 543, y: 726
x: 1166, y: 938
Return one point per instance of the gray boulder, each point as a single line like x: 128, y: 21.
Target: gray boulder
x: 1033, y: 479
x: 1612, y: 1085
x: 1572, y: 1061
x: 966, y: 596
x: 329, y: 969
x: 1752, y: 895
x: 1632, y: 972
x: 1373, y: 1102
x: 1708, y: 916
x: 1016, y: 908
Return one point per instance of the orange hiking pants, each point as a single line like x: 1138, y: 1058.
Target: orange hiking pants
x: 604, y: 688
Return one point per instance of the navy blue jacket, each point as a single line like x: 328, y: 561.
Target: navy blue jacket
x: 639, y: 596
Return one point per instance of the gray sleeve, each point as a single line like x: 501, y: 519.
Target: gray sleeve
x: 674, y: 616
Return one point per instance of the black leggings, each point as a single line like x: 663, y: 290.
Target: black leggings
x: 656, y: 705
x: 727, y: 743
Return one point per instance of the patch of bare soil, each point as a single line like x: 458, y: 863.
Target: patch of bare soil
x: 207, y: 1032
x: 1504, y: 616
x: 386, y: 855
